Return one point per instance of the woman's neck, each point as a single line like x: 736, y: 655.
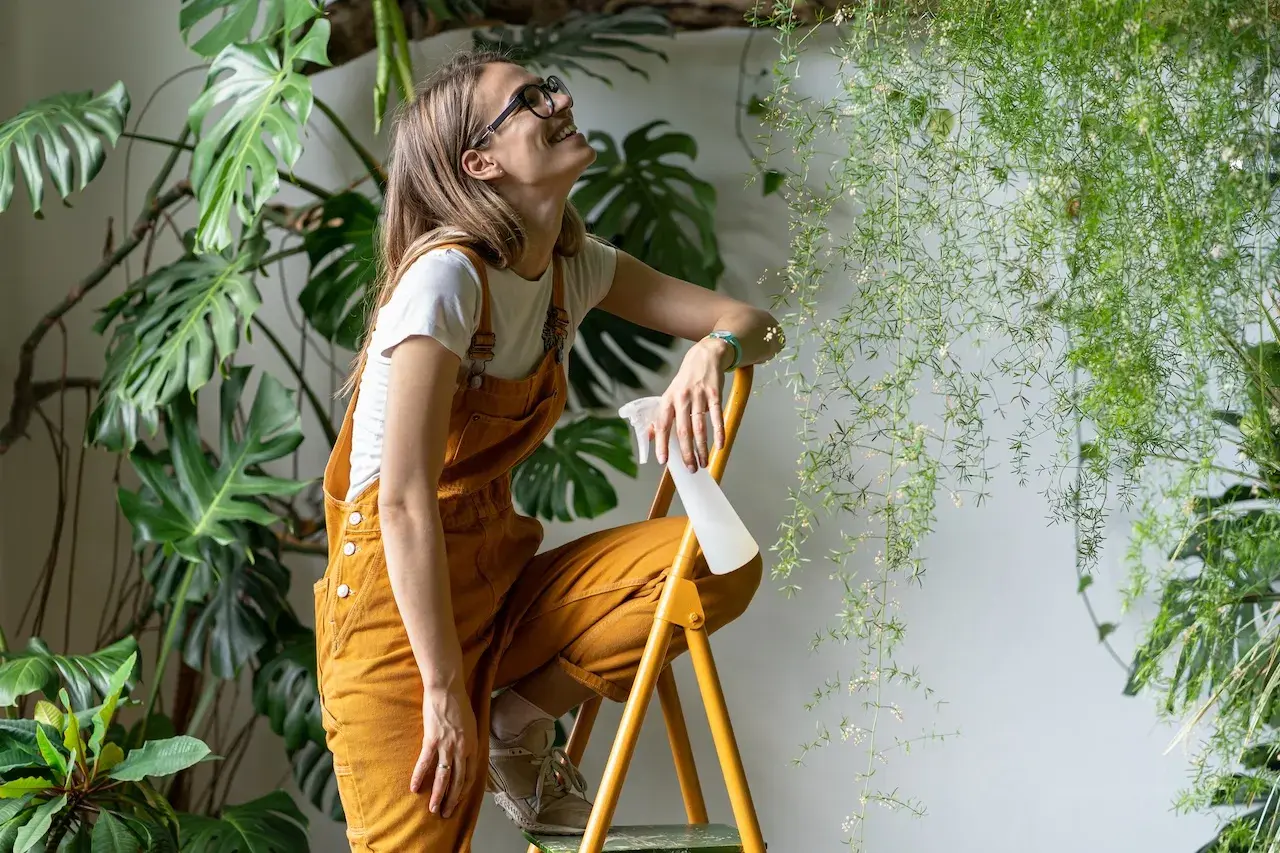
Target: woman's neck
x: 542, y: 219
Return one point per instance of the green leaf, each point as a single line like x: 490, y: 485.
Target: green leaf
x: 53, y: 758
x: 102, y: 719
x: 66, y: 133
x: 9, y: 831
x: 23, y: 676
x: 238, y: 17
x: 284, y: 691
x: 71, y: 738
x: 773, y: 181
x: 48, y: 713
x: 343, y: 255
x: 1086, y: 581
x: 193, y: 499
x: 264, y: 96
x: 11, y: 808
x: 22, y: 786
x: 580, y: 36
x: 270, y: 824
x: 616, y: 347
x: 232, y: 603
x: 541, y: 484
x: 110, y: 755
x: 313, y: 773
x: 14, y: 758
x: 1106, y: 629
x: 160, y: 758
x: 34, y: 830
x: 177, y: 326
x: 85, y: 676
x: 654, y: 210
x: 111, y: 835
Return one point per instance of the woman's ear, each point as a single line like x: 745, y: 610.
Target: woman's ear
x: 480, y: 165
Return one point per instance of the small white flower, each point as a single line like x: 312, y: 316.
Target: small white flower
x: 1237, y: 164
x: 1227, y: 153
x: 1217, y: 252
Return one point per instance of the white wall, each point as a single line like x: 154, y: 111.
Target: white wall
x: 1051, y: 757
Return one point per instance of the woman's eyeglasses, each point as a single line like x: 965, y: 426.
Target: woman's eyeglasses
x: 536, y: 97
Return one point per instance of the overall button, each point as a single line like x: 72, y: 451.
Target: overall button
x: 355, y: 518
x: 349, y: 548
x: 343, y: 590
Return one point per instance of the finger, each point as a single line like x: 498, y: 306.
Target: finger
x: 425, y: 766
x: 459, y: 783
x: 662, y: 432
x: 698, y: 417
x: 717, y: 420
x: 440, y: 788
x: 684, y: 434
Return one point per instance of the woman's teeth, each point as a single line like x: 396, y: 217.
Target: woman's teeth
x: 564, y: 133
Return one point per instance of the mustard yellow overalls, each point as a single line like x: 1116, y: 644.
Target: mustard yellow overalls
x: 587, y: 605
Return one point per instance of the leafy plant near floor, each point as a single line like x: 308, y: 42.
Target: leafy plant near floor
x: 215, y: 515
x: 1062, y: 221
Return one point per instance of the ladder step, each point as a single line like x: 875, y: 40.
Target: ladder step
x: 677, y: 838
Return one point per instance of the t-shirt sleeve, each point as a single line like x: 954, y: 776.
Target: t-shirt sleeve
x: 437, y: 297
x: 595, y: 266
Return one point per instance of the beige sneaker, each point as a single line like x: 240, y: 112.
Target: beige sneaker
x: 536, y: 784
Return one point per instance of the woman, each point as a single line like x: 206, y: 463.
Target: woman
x: 435, y: 597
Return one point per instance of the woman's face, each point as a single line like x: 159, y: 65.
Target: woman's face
x: 547, y: 153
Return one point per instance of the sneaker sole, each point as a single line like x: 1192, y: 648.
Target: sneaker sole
x: 518, y: 817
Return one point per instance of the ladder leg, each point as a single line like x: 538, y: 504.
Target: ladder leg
x: 624, y: 744
x: 735, y: 775
x: 695, y: 807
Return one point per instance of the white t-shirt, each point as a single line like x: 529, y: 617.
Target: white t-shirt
x: 439, y: 297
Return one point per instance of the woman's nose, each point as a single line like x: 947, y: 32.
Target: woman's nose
x: 562, y: 101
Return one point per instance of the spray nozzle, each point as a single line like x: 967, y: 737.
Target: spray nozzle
x: 642, y: 414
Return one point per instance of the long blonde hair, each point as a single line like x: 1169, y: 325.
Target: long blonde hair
x: 431, y: 202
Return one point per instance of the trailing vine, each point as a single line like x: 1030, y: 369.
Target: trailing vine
x: 1060, y: 220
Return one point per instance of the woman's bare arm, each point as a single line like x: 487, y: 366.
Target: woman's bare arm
x: 419, y: 396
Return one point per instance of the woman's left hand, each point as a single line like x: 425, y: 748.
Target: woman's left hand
x: 693, y: 395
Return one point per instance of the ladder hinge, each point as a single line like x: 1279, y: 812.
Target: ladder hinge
x: 680, y: 604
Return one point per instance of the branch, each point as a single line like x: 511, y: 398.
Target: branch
x: 24, y: 390
x: 352, y: 33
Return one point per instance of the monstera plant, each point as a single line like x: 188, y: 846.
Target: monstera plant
x: 217, y: 512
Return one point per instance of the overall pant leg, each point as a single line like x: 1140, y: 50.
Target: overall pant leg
x: 589, y: 604
x: 372, y: 690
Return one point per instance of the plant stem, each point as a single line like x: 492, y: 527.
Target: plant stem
x: 316, y: 403
x: 404, y: 72
x: 282, y: 254
x: 371, y: 164
x: 180, y: 601
x: 182, y: 145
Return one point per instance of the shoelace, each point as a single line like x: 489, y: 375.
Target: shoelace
x: 558, y: 771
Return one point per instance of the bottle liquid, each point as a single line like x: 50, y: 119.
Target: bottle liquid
x: 726, y: 544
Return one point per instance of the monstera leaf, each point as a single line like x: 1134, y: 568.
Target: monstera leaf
x: 264, y: 97
x: 579, y: 36
x: 284, y: 691
x: 652, y: 209
x: 238, y: 18
x: 313, y: 773
x: 66, y: 133
x: 234, y: 604
x: 270, y: 824
x: 627, y: 344
x: 542, y: 482
x: 189, y: 497
x: 343, y: 268
x: 84, y: 676
x: 176, y: 327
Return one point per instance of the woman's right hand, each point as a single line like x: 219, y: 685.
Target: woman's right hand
x: 447, y: 764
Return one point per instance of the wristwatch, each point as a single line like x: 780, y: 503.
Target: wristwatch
x: 731, y: 339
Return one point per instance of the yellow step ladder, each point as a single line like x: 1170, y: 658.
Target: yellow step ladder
x: 678, y: 607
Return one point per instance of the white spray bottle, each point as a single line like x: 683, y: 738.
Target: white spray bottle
x: 726, y: 544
